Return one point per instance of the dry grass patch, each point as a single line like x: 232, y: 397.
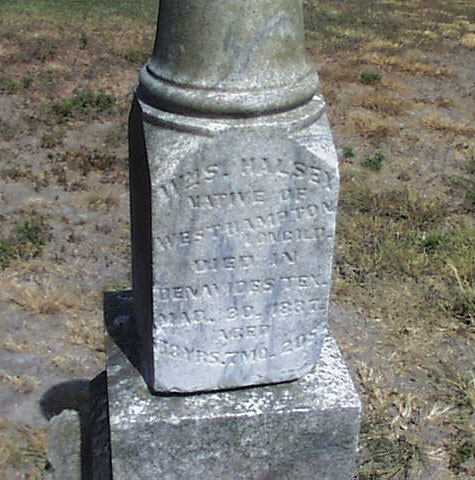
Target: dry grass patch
x: 37, y: 289
x: 42, y: 297
x: 22, y: 449
x: 86, y: 330
x: 407, y: 65
x: 382, y: 45
x: 98, y: 201
x: 372, y: 125
x: 20, y: 383
x: 468, y: 40
x: 15, y: 346
x: 381, y: 102
x: 331, y: 74
x: 448, y: 126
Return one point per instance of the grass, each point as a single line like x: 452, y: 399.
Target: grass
x: 407, y: 65
x: 137, y: 56
x: 372, y: 125
x: 87, y: 161
x: 385, y: 103
x: 374, y: 162
x: 82, y: 104
x: 339, y: 25
x: 8, y: 85
x: 349, y: 152
x: 449, y: 127
x: 369, y: 78
x: 143, y: 10
x: 27, y: 241
x: 22, y: 448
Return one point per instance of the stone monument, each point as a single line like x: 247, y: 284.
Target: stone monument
x: 234, y: 184
x: 219, y: 363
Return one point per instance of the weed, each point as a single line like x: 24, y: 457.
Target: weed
x: 465, y: 184
x: 8, y: 252
x: 27, y: 242
x: 43, y: 49
x: 26, y: 81
x: 43, y: 298
x: 83, y: 41
x: 470, y: 196
x: 433, y: 243
x: 7, y: 85
x: 349, y: 152
x: 369, y: 78
x: 463, y: 453
x: 375, y: 162
x: 48, y: 78
x: 82, y: 103
x: 11, y: 86
x: 31, y: 237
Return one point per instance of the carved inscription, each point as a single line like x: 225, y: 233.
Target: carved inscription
x: 243, y: 240
x: 264, y: 228
x: 268, y: 167
x: 224, y: 357
x: 253, y: 286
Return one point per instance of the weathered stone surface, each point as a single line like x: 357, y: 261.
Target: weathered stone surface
x: 234, y: 185
x: 302, y: 430
x: 233, y: 289
x: 63, y: 446
x: 228, y: 57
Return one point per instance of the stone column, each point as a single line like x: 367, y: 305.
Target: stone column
x: 234, y: 184
x: 228, y: 58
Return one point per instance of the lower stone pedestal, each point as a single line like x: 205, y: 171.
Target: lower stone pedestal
x: 307, y: 429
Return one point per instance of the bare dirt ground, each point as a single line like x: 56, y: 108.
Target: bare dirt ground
x: 399, y: 81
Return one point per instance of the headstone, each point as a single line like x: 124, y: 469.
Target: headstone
x: 234, y: 184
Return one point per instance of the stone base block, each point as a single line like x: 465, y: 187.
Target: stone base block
x: 63, y: 446
x: 307, y: 429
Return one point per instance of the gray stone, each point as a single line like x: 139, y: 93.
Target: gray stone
x: 302, y: 430
x: 241, y: 228
x: 63, y: 446
x: 233, y: 216
x: 228, y: 57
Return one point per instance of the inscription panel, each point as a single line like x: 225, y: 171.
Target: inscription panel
x: 243, y: 235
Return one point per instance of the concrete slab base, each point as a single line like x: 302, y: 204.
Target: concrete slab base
x: 303, y: 430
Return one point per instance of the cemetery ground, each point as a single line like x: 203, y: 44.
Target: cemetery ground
x: 398, y: 78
